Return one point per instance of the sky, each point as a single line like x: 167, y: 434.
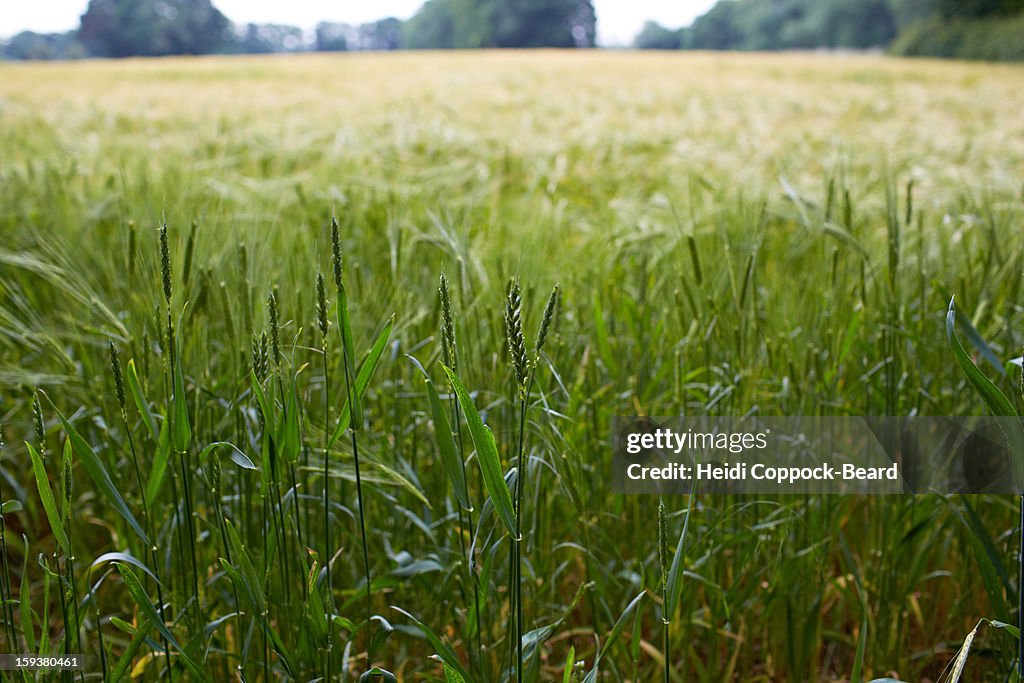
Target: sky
x: 617, y: 20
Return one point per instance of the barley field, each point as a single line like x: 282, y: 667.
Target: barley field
x: 308, y: 363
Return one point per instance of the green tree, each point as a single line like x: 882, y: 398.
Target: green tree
x: 431, y: 28
x: 270, y: 38
x: 124, y: 28
x: 29, y: 45
x: 654, y: 36
x: 502, y: 23
x: 979, y: 8
x: 331, y: 37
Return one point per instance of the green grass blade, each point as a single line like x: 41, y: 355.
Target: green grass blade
x: 451, y: 675
x: 94, y: 466
x: 363, y: 378
x: 181, y: 430
x: 862, y: 644
x: 674, y: 583
x: 487, y: 456
x: 345, y: 326
x: 288, y: 436
x: 160, y: 459
x: 148, y: 610
x: 446, y: 444
x: 26, y: 603
x: 140, y: 400
x: 993, y: 397
x: 139, y: 636
x: 251, y: 580
x: 445, y: 652
x: 234, y: 453
x: 49, y: 504
x: 613, y: 637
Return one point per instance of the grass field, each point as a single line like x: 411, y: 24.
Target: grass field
x: 729, y: 234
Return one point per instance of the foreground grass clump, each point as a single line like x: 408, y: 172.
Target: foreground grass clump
x: 259, y: 448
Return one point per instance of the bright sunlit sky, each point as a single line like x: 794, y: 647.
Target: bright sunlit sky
x: 617, y: 20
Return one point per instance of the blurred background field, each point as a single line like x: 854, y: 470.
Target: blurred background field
x: 731, y: 233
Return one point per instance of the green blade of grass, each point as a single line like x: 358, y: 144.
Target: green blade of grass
x: 674, y: 583
x: 98, y: 473
x: 234, y: 453
x: 181, y: 431
x: 288, y: 436
x: 445, y: 652
x: 613, y: 637
x: 446, y: 444
x: 363, y: 378
x: 993, y: 397
x: 46, y: 496
x: 160, y: 459
x: 345, y: 327
x: 26, y: 602
x: 140, y: 400
x: 148, y: 610
x: 487, y: 456
x: 139, y: 636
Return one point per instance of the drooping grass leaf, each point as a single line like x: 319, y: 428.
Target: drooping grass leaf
x: 613, y: 637
x: 46, y: 496
x: 250, y: 579
x: 446, y: 654
x: 98, y: 473
x: 363, y: 378
x: 993, y: 397
x: 149, y: 611
x: 121, y: 558
x: 139, y: 636
x: 234, y: 453
x: 487, y: 456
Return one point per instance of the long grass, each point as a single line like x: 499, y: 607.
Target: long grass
x: 727, y: 241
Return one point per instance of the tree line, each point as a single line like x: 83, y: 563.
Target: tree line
x: 150, y: 28
x: 967, y: 29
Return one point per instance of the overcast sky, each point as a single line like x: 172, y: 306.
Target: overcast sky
x: 617, y: 20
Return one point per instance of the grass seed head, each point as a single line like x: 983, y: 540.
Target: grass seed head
x: 66, y: 479
x: 215, y: 473
x: 514, y: 335
x: 37, y: 415
x: 549, y: 316
x: 115, y: 367
x: 260, y: 358
x: 321, y: 307
x: 165, y: 263
x: 336, y: 251
x: 447, y: 325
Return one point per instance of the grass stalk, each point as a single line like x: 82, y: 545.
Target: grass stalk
x: 347, y: 355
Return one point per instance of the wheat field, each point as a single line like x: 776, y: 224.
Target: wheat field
x: 729, y: 234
